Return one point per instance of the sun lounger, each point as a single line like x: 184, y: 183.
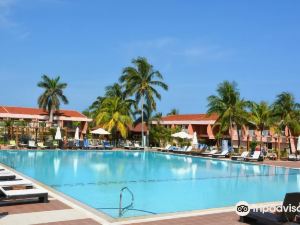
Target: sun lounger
x: 6, y: 175
x: 107, y: 145
x: 189, y: 149
x: 12, y: 144
x: 255, y: 157
x: 290, y: 200
x: 165, y: 148
x: 271, y: 156
x: 208, y: 154
x: 173, y: 149
x: 9, y: 193
x: 55, y: 144
x: 223, y: 154
x: 294, y: 157
x: 41, y: 145
x: 18, y: 182
x: 180, y: 150
x: 31, y: 144
x: 137, y: 146
x: 240, y: 157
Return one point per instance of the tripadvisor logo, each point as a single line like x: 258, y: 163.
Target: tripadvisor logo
x: 242, y: 208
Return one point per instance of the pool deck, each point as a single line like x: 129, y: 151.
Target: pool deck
x: 62, y: 210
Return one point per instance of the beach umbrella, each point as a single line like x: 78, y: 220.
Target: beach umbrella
x: 182, y: 135
x: 298, y: 144
x: 100, y: 131
x: 76, y: 134
x: 58, y: 134
x: 195, y: 140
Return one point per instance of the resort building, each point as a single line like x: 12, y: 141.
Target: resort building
x: 203, y: 125
x: 36, y: 118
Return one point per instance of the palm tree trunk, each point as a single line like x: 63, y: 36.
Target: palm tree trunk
x: 230, y: 127
x: 239, y: 138
x: 51, y: 115
x: 261, y: 133
x: 289, y: 140
x: 142, y: 121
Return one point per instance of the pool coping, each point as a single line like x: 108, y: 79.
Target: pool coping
x: 103, y: 218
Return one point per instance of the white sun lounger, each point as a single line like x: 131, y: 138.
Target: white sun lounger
x: 189, y: 149
x: 21, y: 182
x: 209, y: 153
x: 165, y: 148
x: 240, y: 157
x: 254, y: 157
x: 25, y: 193
x: 6, y: 175
x: 224, y: 154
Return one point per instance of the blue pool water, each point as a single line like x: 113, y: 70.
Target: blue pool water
x: 161, y: 183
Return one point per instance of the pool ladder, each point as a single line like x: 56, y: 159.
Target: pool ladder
x: 122, y: 210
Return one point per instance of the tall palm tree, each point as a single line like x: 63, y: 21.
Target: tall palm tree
x: 52, y: 96
x: 115, y: 90
x: 114, y: 116
x: 286, y: 110
x: 141, y: 81
x: 231, y: 109
x: 173, y: 112
x: 261, y: 117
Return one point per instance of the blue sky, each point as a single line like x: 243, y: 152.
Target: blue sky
x: 195, y: 44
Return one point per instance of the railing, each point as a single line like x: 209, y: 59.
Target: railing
x: 122, y: 210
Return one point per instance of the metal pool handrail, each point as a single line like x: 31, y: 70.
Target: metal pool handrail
x: 123, y: 210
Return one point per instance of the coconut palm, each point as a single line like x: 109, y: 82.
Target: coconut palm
x: 52, y: 96
x: 231, y: 109
x: 173, y: 112
x: 114, y: 116
x: 286, y: 110
x: 261, y: 117
x: 142, y: 81
x: 115, y: 90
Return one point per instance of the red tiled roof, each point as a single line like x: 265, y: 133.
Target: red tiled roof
x: 40, y: 112
x: 190, y: 117
x: 138, y: 128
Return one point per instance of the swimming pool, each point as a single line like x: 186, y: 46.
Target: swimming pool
x: 160, y: 183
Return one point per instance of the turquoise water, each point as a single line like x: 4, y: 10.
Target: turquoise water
x: 161, y: 183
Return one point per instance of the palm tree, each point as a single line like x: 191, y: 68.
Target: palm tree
x: 173, y: 112
x: 115, y: 90
x: 114, y: 116
x: 230, y: 108
x: 286, y: 110
x: 261, y: 117
x: 141, y: 81
x: 53, y: 95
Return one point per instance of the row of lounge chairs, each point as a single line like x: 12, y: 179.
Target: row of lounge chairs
x: 85, y: 144
x: 135, y: 146
x: 214, y: 153
x: 14, y: 189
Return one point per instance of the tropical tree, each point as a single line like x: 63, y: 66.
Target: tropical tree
x: 115, y: 116
x: 229, y: 106
x: 52, y: 96
x: 116, y: 90
x: 261, y: 117
x: 286, y: 110
x: 141, y: 81
x: 173, y: 112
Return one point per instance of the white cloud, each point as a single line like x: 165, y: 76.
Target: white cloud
x: 5, y: 11
x: 175, y: 48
